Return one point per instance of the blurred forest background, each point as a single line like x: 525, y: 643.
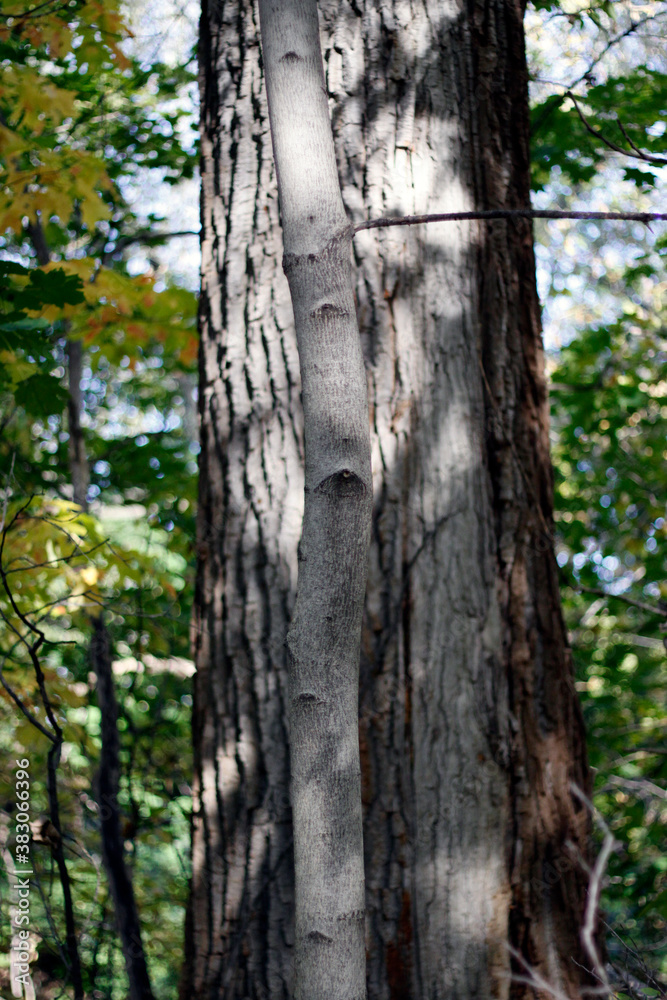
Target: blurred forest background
x: 98, y: 447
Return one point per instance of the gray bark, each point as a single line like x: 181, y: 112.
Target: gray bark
x: 325, y: 632
x: 470, y: 729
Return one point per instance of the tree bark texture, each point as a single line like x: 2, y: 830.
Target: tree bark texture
x: 325, y: 632
x: 470, y: 729
x: 239, y: 935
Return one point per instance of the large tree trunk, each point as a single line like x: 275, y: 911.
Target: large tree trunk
x: 470, y: 730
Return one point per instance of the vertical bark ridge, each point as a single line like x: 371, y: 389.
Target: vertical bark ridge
x: 238, y: 927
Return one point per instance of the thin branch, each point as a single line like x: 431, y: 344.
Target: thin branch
x: 651, y: 981
x: 7, y: 490
x: 637, y: 154
x: 53, y: 761
x: 52, y: 562
x: 618, y: 38
x: 592, y: 903
x: 51, y: 922
x: 24, y: 709
x: 511, y: 213
x: 145, y: 237
x: 34, y: 12
x: 538, y: 982
x: 636, y: 785
x: 640, y: 153
x: 598, y: 592
x: 107, y: 783
x: 586, y: 75
x: 594, y: 890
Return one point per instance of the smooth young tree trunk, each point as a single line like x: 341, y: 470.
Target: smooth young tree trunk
x: 325, y: 633
x: 470, y: 729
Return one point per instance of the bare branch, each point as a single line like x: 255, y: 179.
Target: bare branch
x: 7, y: 493
x: 651, y: 609
x: 53, y: 761
x: 24, y: 709
x: 615, y: 41
x: 512, y: 213
x: 145, y: 237
x: 594, y: 889
x: 640, y: 153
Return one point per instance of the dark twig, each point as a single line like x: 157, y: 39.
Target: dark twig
x: 53, y: 761
x: 615, y: 41
x: 145, y: 237
x: 598, y: 592
x: 640, y: 153
x: 586, y: 75
x: 637, y: 154
x: 52, y: 562
x: 24, y: 708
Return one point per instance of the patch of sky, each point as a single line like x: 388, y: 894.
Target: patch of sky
x: 166, y: 31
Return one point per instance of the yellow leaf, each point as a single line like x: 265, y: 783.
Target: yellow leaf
x: 60, y: 43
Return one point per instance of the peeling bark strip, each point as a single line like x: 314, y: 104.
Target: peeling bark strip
x: 325, y: 633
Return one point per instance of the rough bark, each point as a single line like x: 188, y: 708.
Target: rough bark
x: 239, y: 935
x: 470, y: 729
x: 325, y: 632
x: 106, y: 790
x: 470, y: 726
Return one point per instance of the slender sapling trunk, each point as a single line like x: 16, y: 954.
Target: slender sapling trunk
x: 324, y: 637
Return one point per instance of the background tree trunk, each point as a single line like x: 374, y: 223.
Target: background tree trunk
x: 78, y: 460
x: 107, y: 784
x: 470, y: 729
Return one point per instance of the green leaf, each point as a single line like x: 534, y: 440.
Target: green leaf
x: 41, y: 395
x: 55, y: 288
